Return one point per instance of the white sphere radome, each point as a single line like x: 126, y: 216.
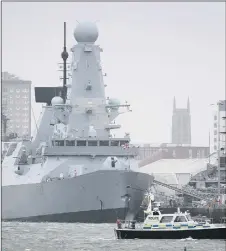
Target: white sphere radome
x: 57, y: 101
x: 86, y: 32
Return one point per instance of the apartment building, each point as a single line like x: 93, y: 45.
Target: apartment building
x: 16, y: 104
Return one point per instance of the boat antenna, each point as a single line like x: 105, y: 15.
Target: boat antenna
x: 64, y: 56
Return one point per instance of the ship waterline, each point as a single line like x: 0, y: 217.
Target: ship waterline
x: 94, y: 197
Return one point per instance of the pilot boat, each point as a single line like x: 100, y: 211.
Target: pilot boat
x: 179, y: 225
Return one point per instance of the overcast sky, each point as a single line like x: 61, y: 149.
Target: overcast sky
x: 152, y: 52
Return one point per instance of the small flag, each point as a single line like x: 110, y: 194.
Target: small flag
x: 125, y: 146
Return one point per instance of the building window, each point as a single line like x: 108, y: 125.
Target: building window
x: 17, y: 108
x: 215, y: 148
x: 215, y: 117
x: 25, y: 126
x: 25, y: 90
x: 25, y: 97
x: 26, y: 102
x: 5, y: 89
x: 17, y: 102
x: 25, y: 108
x: 17, y: 90
x: 11, y: 90
x: 215, y: 140
x: 215, y: 125
x: 11, y: 101
x: 4, y: 101
x: 17, y: 96
x: 215, y: 132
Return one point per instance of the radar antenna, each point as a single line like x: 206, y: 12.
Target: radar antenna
x: 64, y: 56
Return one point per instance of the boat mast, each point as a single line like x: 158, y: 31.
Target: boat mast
x: 64, y: 56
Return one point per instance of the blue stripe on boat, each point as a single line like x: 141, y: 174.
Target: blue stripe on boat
x: 155, y: 225
x: 184, y: 225
x: 169, y: 225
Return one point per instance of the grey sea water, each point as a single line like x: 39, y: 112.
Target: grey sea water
x: 18, y: 236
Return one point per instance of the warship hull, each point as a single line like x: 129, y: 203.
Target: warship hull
x: 93, y: 198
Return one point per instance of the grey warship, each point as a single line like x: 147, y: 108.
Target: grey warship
x: 74, y: 170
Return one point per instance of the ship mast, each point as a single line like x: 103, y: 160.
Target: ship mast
x: 64, y: 56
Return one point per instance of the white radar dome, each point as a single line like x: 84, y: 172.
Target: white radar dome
x: 86, y: 32
x: 57, y: 101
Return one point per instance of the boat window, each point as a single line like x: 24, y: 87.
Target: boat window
x: 104, y: 143
x: 166, y: 219
x: 115, y: 143
x: 70, y: 142
x: 81, y: 143
x: 92, y: 143
x: 180, y: 219
x: 124, y: 142
x: 189, y: 217
x: 59, y: 143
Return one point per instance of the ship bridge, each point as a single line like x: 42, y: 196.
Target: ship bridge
x: 91, y: 146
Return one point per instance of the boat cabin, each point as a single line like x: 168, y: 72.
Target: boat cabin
x: 176, y: 221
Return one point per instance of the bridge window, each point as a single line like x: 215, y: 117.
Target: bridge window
x: 104, y: 143
x: 124, y: 142
x: 115, y: 143
x: 92, y: 143
x: 58, y: 143
x: 70, y: 142
x: 81, y: 143
x: 166, y: 219
x: 180, y: 219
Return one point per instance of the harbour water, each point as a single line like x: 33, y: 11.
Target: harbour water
x: 87, y: 237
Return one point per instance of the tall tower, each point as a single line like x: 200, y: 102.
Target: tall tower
x: 181, y: 124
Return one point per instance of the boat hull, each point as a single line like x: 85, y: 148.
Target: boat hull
x: 213, y: 233
x: 94, y: 197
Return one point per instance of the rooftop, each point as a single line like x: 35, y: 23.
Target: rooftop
x: 6, y: 76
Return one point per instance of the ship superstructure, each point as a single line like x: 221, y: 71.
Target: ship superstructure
x: 74, y: 170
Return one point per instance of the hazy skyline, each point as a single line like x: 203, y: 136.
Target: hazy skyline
x: 152, y: 52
